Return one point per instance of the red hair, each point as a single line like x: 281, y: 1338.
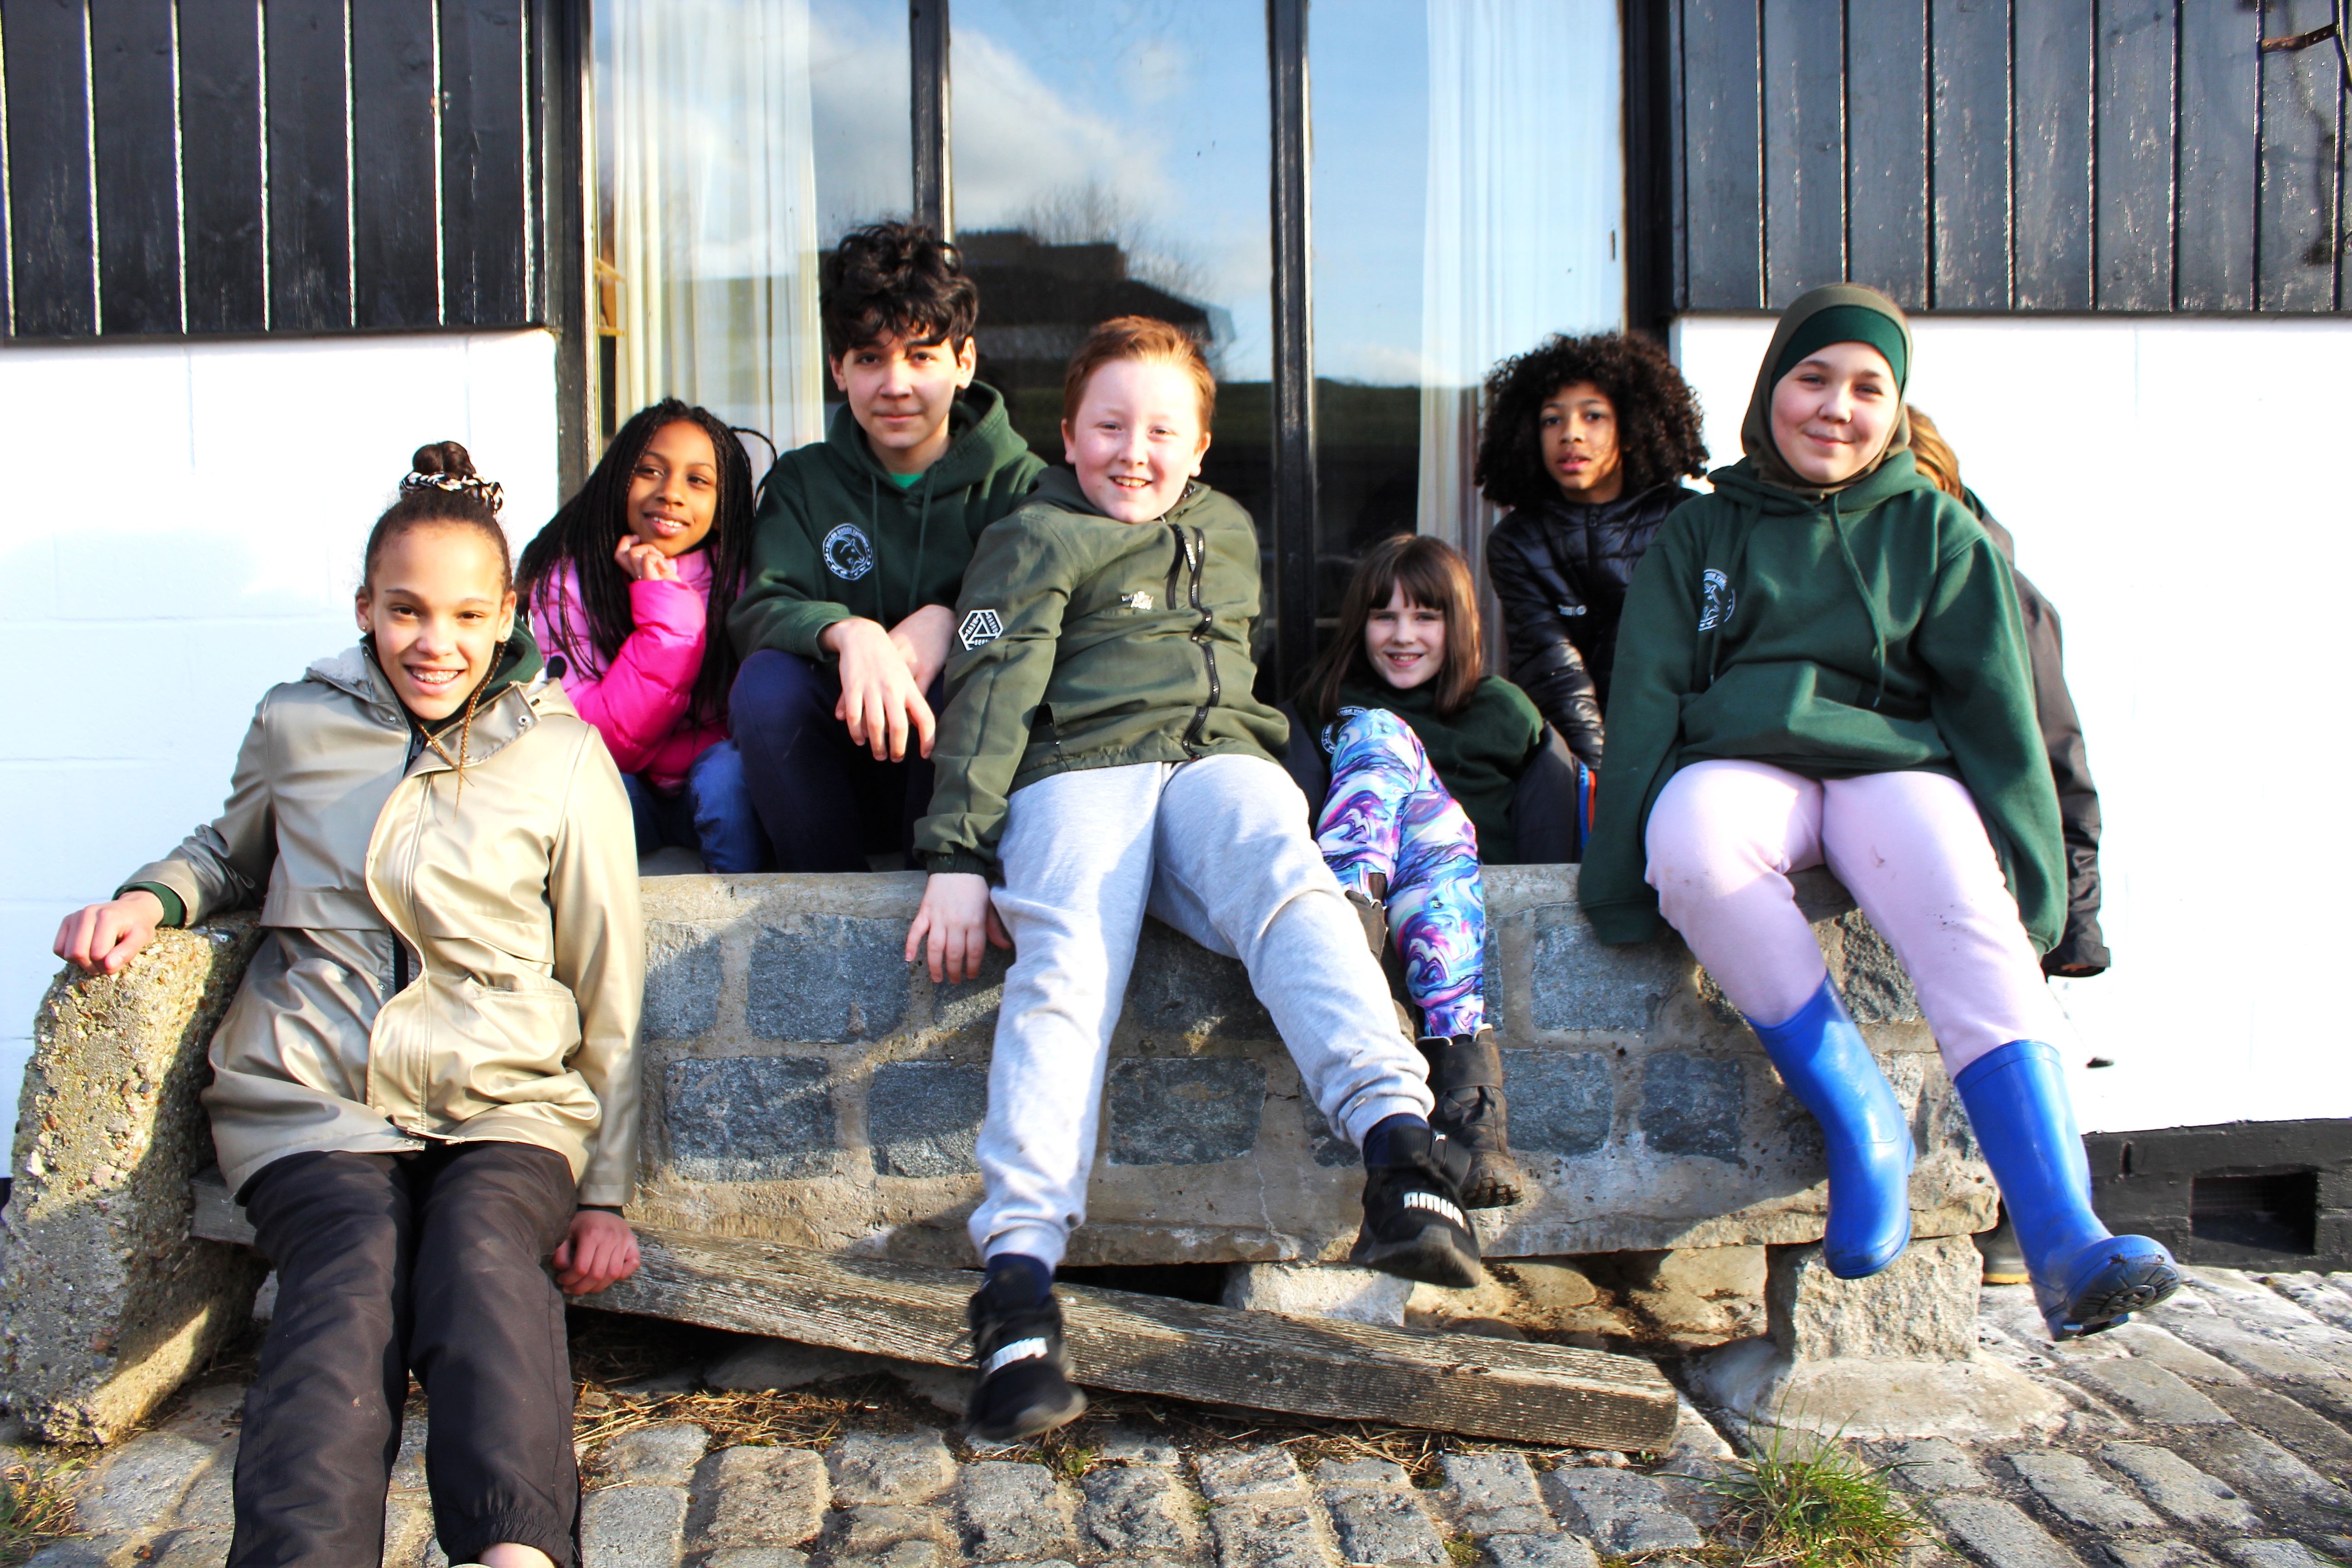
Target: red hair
x: 1145, y: 339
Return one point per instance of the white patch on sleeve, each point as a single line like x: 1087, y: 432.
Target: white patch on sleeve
x: 980, y: 627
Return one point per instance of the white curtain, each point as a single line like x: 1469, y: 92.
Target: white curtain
x: 1525, y: 217
x: 703, y: 137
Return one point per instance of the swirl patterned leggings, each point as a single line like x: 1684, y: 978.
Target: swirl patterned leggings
x: 1387, y: 814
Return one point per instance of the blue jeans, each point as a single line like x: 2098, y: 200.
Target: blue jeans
x: 711, y: 814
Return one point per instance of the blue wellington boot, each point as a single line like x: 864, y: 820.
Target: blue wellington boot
x: 1823, y: 1061
x: 2085, y: 1278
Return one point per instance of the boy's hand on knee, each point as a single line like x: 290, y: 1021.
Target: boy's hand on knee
x: 104, y: 937
x: 600, y: 1250
x: 881, y: 701
x: 955, y: 926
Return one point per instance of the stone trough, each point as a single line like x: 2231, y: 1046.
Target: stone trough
x: 805, y: 1086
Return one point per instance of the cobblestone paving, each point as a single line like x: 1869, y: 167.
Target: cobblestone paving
x: 2218, y: 1431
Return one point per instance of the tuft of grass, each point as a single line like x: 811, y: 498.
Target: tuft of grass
x: 1812, y: 1504
x: 1461, y: 1549
x: 35, y: 1508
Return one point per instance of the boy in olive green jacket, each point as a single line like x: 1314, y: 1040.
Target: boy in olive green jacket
x: 859, y: 548
x: 1102, y: 757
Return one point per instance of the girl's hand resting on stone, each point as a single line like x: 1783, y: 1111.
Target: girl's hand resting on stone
x: 956, y: 925
x: 601, y: 1249
x: 643, y: 561
x: 104, y: 937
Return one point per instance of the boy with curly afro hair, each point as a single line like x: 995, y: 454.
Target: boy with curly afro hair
x: 1586, y: 441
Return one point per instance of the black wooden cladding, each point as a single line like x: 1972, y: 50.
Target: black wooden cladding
x: 1990, y: 155
x: 224, y: 166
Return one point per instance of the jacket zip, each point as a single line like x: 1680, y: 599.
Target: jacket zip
x: 1192, y: 548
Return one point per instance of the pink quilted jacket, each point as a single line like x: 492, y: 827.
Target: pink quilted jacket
x: 638, y: 704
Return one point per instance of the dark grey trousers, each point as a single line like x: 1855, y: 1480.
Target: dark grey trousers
x: 435, y: 1262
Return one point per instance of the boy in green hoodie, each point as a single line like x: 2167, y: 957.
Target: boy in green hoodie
x: 859, y: 548
x: 1823, y: 663
x: 1102, y: 757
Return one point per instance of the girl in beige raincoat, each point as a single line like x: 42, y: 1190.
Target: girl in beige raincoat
x: 424, y: 1093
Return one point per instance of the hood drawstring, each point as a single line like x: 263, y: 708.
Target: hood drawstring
x: 922, y: 538
x: 1869, y: 604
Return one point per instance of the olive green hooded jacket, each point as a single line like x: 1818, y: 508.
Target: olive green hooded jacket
x: 1089, y: 643
x: 836, y: 536
x: 1871, y: 627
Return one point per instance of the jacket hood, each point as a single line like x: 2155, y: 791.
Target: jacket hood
x: 980, y: 440
x: 1059, y: 486
x: 1764, y: 458
x: 1558, y: 506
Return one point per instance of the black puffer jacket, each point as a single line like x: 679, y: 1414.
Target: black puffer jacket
x: 1559, y: 570
x: 2082, y: 949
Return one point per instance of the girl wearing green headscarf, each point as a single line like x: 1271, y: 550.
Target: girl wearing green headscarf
x: 1822, y: 663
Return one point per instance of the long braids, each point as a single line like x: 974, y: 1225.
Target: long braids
x: 584, y: 530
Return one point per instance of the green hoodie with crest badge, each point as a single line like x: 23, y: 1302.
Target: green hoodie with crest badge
x: 836, y: 536
x: 1870, y: 629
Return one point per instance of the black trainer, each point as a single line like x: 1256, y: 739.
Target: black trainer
x: 1413, y: 1224
x: 1466, y: 1075
x: 1023, y: 1387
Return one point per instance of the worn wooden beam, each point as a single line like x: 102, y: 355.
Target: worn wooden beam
x: 1150, y: 1345
x: 1141, y: 1344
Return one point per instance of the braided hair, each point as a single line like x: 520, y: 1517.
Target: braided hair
x: 1657, y: 414
x: 443, y: 488
x: 585, y: 530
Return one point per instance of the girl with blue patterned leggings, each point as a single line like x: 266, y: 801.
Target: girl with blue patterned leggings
x: 1425, y: 751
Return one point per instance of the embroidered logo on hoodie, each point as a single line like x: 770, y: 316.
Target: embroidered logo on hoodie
x: 980, y: 627
x: 1720, y: 600
x: 848, y: 554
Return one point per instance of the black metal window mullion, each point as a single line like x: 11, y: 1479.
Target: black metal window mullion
x: 1293, y: 522
x: 927, y: 55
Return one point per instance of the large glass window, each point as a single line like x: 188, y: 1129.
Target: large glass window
x: 733, y: 139
x: 1468, y: 194
x: 1370, y: 82
x: 1110, y: 157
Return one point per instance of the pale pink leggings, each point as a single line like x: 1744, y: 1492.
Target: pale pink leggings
x: 1909, y: 846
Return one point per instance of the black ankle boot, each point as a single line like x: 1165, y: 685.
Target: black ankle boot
x: 1413, y: 1224
x: 1466, y: 1075
x: 1024, y: 1387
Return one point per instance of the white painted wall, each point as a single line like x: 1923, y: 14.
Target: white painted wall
x: 183, y: 531
x: 2177, y: 489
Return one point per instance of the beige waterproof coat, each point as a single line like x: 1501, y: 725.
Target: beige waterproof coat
x: 513, y: 1015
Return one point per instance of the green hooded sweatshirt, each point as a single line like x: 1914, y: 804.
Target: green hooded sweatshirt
x: 1870, y: 627
x: 1089, y: 643
x: 836, y: 536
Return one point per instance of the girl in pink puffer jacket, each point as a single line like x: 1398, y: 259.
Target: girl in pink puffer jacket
x: 628, y: 587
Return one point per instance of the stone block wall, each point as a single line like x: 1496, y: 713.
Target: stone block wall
x: 805, y: 1085
x: 106, y: 1301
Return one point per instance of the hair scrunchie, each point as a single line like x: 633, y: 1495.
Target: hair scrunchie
x: 492, y: 493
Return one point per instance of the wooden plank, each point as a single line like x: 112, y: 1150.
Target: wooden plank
x: 50, y: 219
x: 220, y: 150
x: 1722, y: 155
x: 309, y: 183
x: 138, y: 174
x: 1802, y: 48
x: 395, y: 202
x: 1970, y: 174
x: 2053, y: 155
x: 2302, y: 114
x: 485, y: 250
x: 1887, y: 147
x: 1503, y: 1389
x: 2220, y: 83
x: 2134, y: 151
